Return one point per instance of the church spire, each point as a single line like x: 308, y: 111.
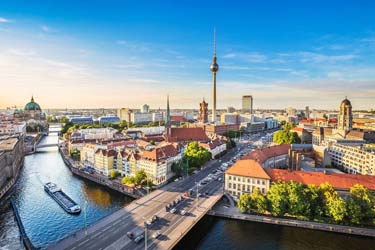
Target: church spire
x: 168, y: 116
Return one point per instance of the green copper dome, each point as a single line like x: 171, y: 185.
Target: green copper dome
x: 32, y: 105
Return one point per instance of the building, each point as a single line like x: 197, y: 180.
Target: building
x: 157, y: 117
x: 203, y: 112
x: 355, y: 159
x: 145, y: 108
x: 270, y: 157
x: 12, y: 128
x: 186, y: 135
x: 216, y: 147
x: 81, y: 120
x: 253, y: 127
x: 124, y: 114
x: 218, y: 129
x: 109, y: 119
x: 229, y: 118
x: 244, y: 176
x: 345, y: 116
x: 304, y: 135
x: 340, y: 182
x: 231, y: 110
x: 140, y: 118
x: 157, y: 163
x: 307, y: 112
x: 214, y: 69
x: 11, y: 160
x: 104, y: 161
x: 33, y: 116
x: 93, y: 134
x: 247, y: 104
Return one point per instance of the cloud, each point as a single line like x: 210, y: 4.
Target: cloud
x: 320, y: 58
x: 252, y: 57
x: 134, y: 46
x: 4, y: 20
x: 22, y: 52
x: 47, y: 29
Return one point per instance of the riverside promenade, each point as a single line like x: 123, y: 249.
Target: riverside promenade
x: 102, y: 180
x: 221, y: 209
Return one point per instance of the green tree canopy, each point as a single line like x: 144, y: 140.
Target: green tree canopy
x: 285, y: 136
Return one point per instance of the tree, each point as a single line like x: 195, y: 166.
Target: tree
x: 277, y: 197
x: 360, y: 205
x: 113, y: 174
x: 334, y: 205
x: 196, y: 155
x: 258, y: 201
x: 244, y: 203
x: 298, y: 199
x: 285, y: 136
x: 140, y: 178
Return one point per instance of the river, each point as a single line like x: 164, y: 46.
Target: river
x: 46, y: 222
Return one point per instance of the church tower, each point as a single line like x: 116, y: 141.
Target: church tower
x: 203, y: 112
x: 214, y: 68
x: 345, y: 116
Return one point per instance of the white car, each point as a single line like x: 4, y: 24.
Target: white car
x: 156, y: 235
x: 183, y: 212
x: 173, y: 210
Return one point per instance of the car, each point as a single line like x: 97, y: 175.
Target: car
x: 176, y: 180
x: 173, y: 210
x: 156, y: 235
x: 139, y: 238
x: 183, y: 212
x: 152, y: 220
x: 219, y: 179
x: 206, y: 193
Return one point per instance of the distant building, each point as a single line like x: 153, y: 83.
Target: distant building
x: 81, y: 120
x: 229, y: 118
x: 124, y: 114
x: 203, y: 112
x: 247, y: 103
x: 109, y: 119
x: 140, y: 118
x: 33, y: 116
x: 230, y: 109
x: 307, y: 112
x: 145, y: 108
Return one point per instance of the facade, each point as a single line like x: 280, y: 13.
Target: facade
x: 253, y: 127
x: 244, y: 176
x: 354, y: 159
x: 93, y: 134
x: 247, y: 104
x: 203, y: 112
x: 145, y: 108
x: 12, y: 128
x: 304, y: 135
x: 104, y: 161
x: 157, y: 117
x: 345, y: 116
x: 81, y: 120
x: 109, y: 119
x: 270, y: 157
x: 231, y: 109
x: 140, y: 118
x: 216, y: 147
x: 216, y: 129
x: 11, y: 160
x: 124, y: 114
x: 229, y: 118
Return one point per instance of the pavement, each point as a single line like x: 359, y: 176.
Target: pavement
x: 109, y: 233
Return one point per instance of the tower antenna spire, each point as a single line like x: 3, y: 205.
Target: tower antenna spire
x: 214, y: 41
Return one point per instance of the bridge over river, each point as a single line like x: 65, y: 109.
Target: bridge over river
x: 110, y: 232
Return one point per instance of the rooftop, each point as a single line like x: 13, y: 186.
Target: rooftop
x: 8, y: 144
x: 248, y: 168
x: 261, y: 155
x: 338, y: 181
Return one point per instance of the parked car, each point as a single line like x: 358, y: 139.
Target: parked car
x: 156, y: 235
x: 183, y: 212
x: 173, y: 210
x: 152, y: 220
x: 139, y: 238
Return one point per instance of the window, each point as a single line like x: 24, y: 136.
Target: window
x: 263, y: 182
x: 263, y: 190
x: 230, y: 185
x: 257, y: 181
x: 234, y: 185
x: 230, y: 177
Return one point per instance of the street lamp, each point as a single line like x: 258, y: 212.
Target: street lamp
x: 197, y: 194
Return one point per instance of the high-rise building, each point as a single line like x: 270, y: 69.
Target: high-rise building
x: 345, y: 116
x: 307, y: 112
x: 247, y: 103
x: 214, y: 68
x: 203, y: 112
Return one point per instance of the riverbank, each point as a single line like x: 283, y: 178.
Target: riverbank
x: 224, y: 211
x: 102, y: 180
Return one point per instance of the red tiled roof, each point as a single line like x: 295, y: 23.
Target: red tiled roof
x: 187, y: 134
x: 107, y: 153
x: 297, y: 129
x: 178, y: 118
x: 212, y: 144
x: 159, y: 153
x: 338, y: 181
x: 261, y: 155
x: 248, y: 168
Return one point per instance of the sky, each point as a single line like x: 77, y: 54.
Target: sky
x: 112, y: 54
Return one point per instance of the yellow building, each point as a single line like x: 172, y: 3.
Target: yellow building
x: 104, y: 160
x: 244, y: 176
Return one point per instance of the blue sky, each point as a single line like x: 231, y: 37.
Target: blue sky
x: 126, y: 53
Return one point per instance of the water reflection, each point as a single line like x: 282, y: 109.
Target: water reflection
x: 44, y: 220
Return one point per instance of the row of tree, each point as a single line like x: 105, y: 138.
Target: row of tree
x: 319, y: 203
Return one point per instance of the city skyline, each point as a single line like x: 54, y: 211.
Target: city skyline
x: 95, y: 56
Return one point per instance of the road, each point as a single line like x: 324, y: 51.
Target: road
x: 109, y: 233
